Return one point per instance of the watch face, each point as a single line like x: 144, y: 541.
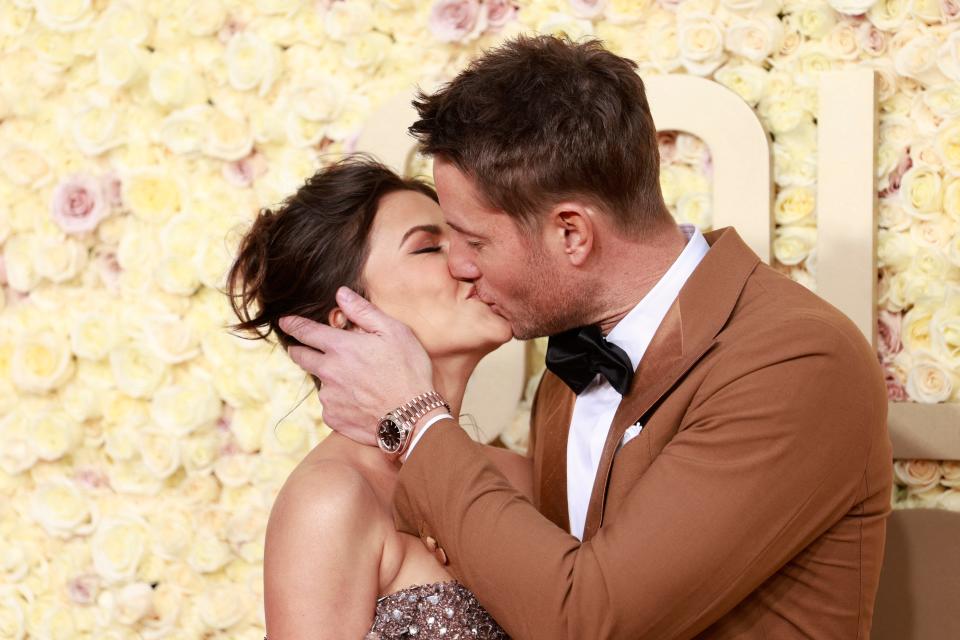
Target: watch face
x: 388, y: 434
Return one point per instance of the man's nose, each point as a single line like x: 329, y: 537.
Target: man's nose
x: 460, y: 265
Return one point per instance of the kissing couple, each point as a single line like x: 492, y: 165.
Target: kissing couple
x: 709, y: 455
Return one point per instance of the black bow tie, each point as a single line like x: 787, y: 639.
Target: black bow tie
x: 578, y: 355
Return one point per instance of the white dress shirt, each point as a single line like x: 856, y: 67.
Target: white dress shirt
x: 596, y: 405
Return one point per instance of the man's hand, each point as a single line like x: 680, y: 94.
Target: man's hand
x: 363, y: 374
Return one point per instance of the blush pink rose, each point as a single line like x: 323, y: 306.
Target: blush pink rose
x: 896, y: 176
x: 499, y: 13
x: 871, y: 39
x: 950, y: 10
x: 243, y: 172
x: 888, y: 332
x: 667, y: 142
x: 79, y: 204
x: 454, y: 20
x: 896, y: 392
x: 588, y: 8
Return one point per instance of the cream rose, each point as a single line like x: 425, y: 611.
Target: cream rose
x: 814, y: 19
x: 950, y: 473
x: 200, y: 452
x: 64, y: 15
x: 746, y: 80
x: 169, y: 338
x: 696, y: 209
x: 948, y: 145
x: 53, y: 435
x: 184, y: 130
x: 234, y: 470
x: 792, y: 245
x: 223, y: 606
x: 253, y: 63
x: 153, y: 195
x: 756, y: 38
x: 41, y: 362
x: 921, y: 192
x: 227, y: 137
x: 795, y: 206
x: 16, y: 454
x: 852, y: 7
x: 127, y: 604
x: 160, y: 454
x: 204, y: 17
x: 136, y: 371
x: 920, y: 475
x: 948, y: 56
x: 120, y: 63
x: 928, y: 381
x: 700, y: 39
x: 889, y: 15
x: 207, y: 552
x: 918, y: 59
x: 174, y: 85
x: 59, y: 259
x: 945, y: 332
x: 62, y: 510
x: 183, y: 408
x: 96, y: 129
x: 118, y: 547
x: 92, y: 335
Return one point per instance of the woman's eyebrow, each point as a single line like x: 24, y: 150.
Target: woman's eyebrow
x: 429, y: 228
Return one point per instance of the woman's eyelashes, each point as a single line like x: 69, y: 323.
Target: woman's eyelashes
x: 428, y: 250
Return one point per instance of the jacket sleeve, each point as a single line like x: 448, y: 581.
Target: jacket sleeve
x: 769, y: 456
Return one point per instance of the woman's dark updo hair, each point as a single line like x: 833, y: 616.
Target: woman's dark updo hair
x: 294, y: 257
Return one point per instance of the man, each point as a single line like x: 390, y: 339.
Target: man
x: 709, y: 446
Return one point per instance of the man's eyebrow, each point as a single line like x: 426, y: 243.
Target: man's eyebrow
x: 429, y: 228
x: 463, y: 231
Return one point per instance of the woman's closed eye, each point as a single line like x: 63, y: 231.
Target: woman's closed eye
x: 428, y: 250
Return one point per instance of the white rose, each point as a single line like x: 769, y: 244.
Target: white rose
x: 184, y: 130
x: 92, y: 335
x: 852, y: 7
x: 700, y: 40
x: 212, y: 261
x: 953, y: 250
x: 933, y: 233
x: 915, y: 328
x: 664, y: 47
x: 199, y: 453
x: 367, y: 51
x: 153, y: 195
x: 64, y: 15
x: 227, y: 137
x: 795, y: 206
x: 921, y: 192
x: 174, y: 85
x: 13, y: 617
x: 131, y: 478
x: 16, y: 454
x: 889, y: 15
x: 756, y: 38
x: 842, y: 42
x: 25, y: 165
x: 62, y: 510
x: 234, y: 470
x: 948, y: 57
x: 171, y: 530
x: 247, y: 426
x: 792, y: 245
x: 118, y: 547
x: 169, y: 338
x: 136, y: 371
x: 559, y: 24
x: 204, y: 17
x: 929, y: 382
x: 53, y: 435
x: 252, y: 63
x: 948, y: 145
x: 945, y: 332
x: 96, y: 129
x: 951, y: 200
x: 746, y: 80
x: 291, y: 435
x: 59, y: 258
x: 224, y: 605
x: 795, y: 159
x: 41, y: 362
x: 124, y: 22
x: 944, y: 99
x: 120, y: 63
x: 928, y: 11
x: 160, y: 454
x: 344, y: 20
x: 782, y: 113
x: 181, y: 409
x: 696, y: 209
x: 207, y: 552
x: 918, y: 59
x: 129, y: 603
x: 18, y: 253
x: 814, y: 19
x: 625, y: 11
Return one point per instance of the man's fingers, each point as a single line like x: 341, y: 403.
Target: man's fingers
x: 362, y: 312
x: 310, y: 360
x: 312, y: 333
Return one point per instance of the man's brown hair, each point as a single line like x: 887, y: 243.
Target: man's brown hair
x: 541, y: 119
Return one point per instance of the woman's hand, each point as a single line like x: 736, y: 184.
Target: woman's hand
x: 363, y: 374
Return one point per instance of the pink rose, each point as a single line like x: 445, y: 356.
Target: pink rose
x: 667, y: 142
x: 499, y: 13
x: 950, y: 9
x: 107, y: 267
x: 112, y: 189
x: 79, y: 204
x: 888, y: 332
x: 243, y: 172
x: 588, y: 8
x: 454, y: 20
x: 871, y: 39
x: 896, y: 392
x: 83, y: 589
x: 893, y: 180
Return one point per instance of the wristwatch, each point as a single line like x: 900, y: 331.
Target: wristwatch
x: 393, y: 429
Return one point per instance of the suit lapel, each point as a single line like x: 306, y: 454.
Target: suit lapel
x: 553, y: 427
x: 684, y: 336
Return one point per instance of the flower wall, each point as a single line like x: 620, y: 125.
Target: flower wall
x: 141, y: 445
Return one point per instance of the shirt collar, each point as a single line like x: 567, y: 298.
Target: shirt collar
x: 635, y: 330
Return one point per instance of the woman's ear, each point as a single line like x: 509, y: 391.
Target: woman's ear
x: 336, y: 318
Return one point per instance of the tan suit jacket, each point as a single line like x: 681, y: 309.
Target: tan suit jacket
x: 752, y: 504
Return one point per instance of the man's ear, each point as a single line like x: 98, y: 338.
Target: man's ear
x: 573, y: 226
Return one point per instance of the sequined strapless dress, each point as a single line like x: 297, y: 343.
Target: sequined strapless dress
x: 437, y: 611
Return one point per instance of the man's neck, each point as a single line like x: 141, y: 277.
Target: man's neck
x: 630, y: 279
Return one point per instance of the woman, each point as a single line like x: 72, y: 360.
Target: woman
x: 334, y: 565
